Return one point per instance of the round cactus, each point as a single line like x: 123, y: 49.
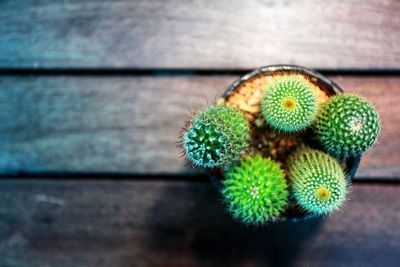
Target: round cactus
x: 347, y: 125
x: 216, y: 137
x: 255, y: 190
x: 319, y: 184
x: 289, y: 104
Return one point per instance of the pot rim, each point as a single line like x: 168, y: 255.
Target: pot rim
x: 285, y: 67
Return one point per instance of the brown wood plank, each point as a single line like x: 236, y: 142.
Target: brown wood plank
x: 130, y: 124
x: 199, y: 34
x: 125, y: 223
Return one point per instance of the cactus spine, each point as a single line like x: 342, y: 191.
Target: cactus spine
x: 216, y: 137
x: 347, y: 125
x: 319, y: 184
x: 255, y: 190
x: 289, y: 104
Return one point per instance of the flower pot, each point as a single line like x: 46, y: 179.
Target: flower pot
x: 277, y: 145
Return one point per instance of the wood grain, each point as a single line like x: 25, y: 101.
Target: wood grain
x: 199, y: 34
x: 125, y: 223
x: 130, y: 124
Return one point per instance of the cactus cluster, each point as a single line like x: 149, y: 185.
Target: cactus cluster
x: 289, y: 104
x: 347, y: 125
x: 318, y: 182
x: 255, y: 190
x: 216, y: 137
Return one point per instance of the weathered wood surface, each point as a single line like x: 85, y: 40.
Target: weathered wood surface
x: 199, y: 34
x: 130, y: 124
x: 124, y: 223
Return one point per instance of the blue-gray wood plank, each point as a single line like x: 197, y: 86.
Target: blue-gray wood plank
x: 130, y: 124
x: 74, y: 223
x: 199, y: 34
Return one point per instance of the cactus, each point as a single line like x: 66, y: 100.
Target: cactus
x: 216, y: 137
x: 347, y: 125
x: 319, y: 184
x: 289, y: 104
x: 255, y: 190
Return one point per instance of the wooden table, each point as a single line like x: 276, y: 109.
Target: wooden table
x: 92, y: 97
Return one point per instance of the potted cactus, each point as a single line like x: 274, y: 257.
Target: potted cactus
x: 282, y: 143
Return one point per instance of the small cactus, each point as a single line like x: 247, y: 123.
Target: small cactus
x: 289, y: 104
x: 255, y: 190
x: 216, y: 137
x: 347, y: 125
x: 319, y: 184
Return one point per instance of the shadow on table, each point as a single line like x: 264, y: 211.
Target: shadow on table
x: 195, y: 230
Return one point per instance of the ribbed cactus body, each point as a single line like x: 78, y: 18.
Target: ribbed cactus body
x: 289, y: 104
x: 347, y: 125
x: 216, y: 137
x: 318, y: 182
x: 255, y: 190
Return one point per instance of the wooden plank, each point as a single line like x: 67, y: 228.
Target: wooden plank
x: 198, y: 34
x: 125, y: 223
x: 130, y: 124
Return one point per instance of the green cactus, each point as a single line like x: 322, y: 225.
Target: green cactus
x: 319, y: 184
x: 289, y: 104
x: 255, y: 190
x: 216, y: 137
x: 347, y: 125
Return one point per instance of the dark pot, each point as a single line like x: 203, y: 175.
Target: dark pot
x: 331, y: 88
